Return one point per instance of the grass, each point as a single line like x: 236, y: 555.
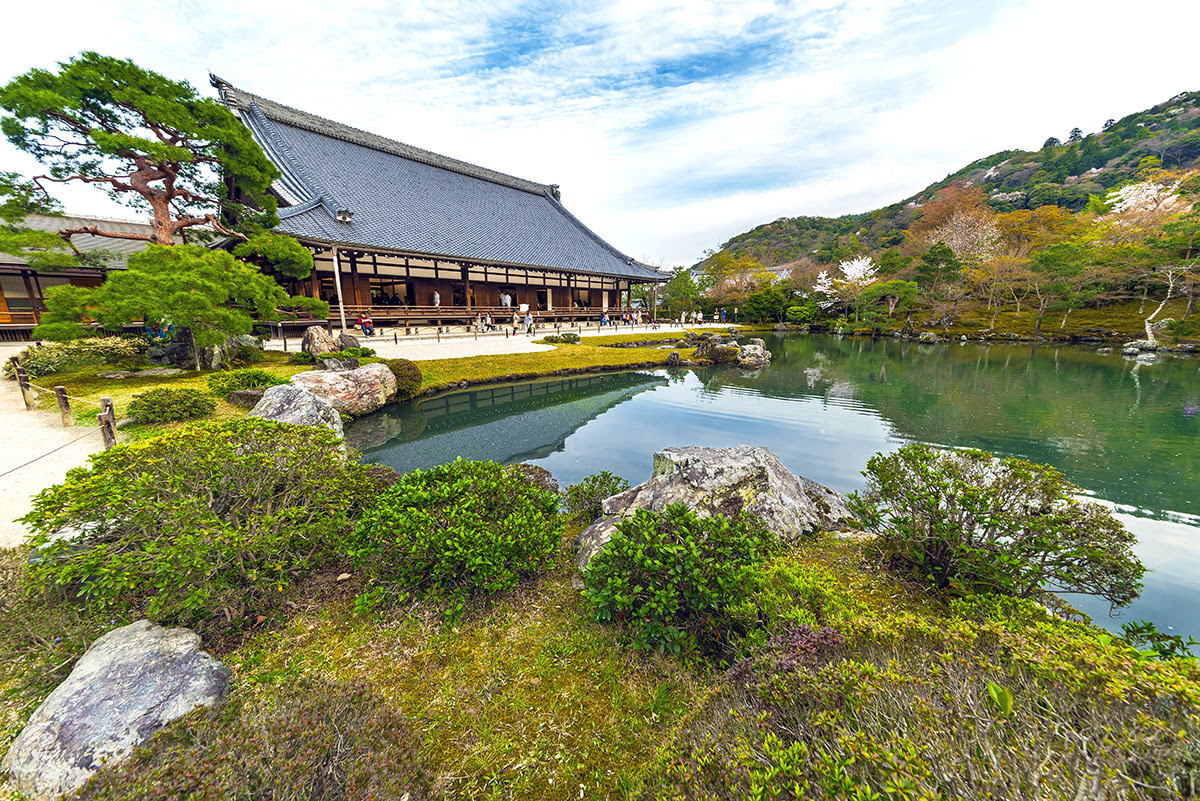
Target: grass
x: 525, y: 699
x: 445, y: 373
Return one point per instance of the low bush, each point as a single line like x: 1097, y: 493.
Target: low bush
x: 201, y: 525
x: 460, y: 530
x: 670, y: 577
x: 168, y: 404
x: 226, y: 381
x: 583, y: 499
x: 561, y: 339
x: 347, y: 353
x: 301, y: 357
x: 408, y: 377
x: 55, y: 357
x: 964, y: 521
x: 926, y: 708
x: 303, y: 740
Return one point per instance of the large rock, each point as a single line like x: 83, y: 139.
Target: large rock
x: 754, y: 356
x: 130, y: 683
x: 345, y: 341
x: 317, y: 340
x: 292, y: 404
x: 355, y: 392
x: 723, y: 481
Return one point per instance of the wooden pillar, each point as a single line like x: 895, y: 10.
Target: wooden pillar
x: 33, y: 299
x: 466, y: 279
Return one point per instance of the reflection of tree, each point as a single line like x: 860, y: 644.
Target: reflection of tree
x: 1114, y: 427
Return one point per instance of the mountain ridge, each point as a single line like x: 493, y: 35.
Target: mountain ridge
x: 1066, y: 174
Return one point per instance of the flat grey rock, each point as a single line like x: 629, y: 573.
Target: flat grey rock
x: 130, y: 683
x: 291, y: 404
x: 723, y: 481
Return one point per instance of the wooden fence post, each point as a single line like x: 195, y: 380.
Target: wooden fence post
x: 106, y: 430
x: 64, y: 406
x: 108, y: 421
x: 106, y: 405
x: 23, y: 383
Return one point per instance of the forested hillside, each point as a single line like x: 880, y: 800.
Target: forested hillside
x: 1107, y: 224
x: 1063, y: 173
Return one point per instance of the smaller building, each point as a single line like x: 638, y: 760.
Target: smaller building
x: 22, y: 289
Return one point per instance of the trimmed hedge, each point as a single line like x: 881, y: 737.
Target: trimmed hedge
x: 408, y: 377
x: 167, y: 405
x: 227, y: 381
x: 462, y: 529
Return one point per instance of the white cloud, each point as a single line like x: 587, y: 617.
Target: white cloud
x: 670, y: 125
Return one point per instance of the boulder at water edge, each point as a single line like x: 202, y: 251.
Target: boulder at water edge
x: 754, y: 356
x: 291, y: 404
x: 723, y: 481
x: 130, y: 683
x: 317, y: 340
x: 355, y: 392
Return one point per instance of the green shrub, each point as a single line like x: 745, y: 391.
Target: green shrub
x: 562, y: 339
x: 670, y: 577
x: 964, y: 521
x: 301, y: 357
x: 462, y: 529
x: 347, y: 353
x: 55, y: 357
x: 408, y: 378
x: 304, y: 740
x: 167, y: 404
x: 227, y: 381
x: 584, y: 499
x: 202, y: 525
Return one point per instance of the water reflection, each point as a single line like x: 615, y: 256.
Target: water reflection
x: 507, y: 423
x: 1127, y: 433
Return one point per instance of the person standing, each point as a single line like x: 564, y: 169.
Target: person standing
x: 437, y: 299
x: 528, y: 323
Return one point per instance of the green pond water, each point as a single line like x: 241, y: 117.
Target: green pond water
x: 1127, y: 433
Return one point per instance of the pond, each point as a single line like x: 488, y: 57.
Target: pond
x: 1127, y: 433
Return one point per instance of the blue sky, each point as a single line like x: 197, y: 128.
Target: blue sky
x: 670, y: 126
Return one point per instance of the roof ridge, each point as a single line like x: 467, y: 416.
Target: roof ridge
x: 629, y: 260
x: 240, y: 99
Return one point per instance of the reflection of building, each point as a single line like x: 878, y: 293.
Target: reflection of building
x: 415, y: 236
x: 506, y: 423
x: 22, y: 289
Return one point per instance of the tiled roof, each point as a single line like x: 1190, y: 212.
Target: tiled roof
x: 411, y: 200
x: 120, y: 249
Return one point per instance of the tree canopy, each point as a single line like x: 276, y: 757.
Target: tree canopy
x: 147, y: 140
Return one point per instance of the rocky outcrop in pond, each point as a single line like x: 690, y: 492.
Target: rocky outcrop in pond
x: 723, y: 481
x: 130, y: 683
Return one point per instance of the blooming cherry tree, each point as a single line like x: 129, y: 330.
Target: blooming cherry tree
x: 857, y: 275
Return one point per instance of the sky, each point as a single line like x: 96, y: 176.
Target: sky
x: 670, y: 126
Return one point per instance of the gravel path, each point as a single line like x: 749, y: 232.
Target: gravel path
x: 28, y: 434
x: 425, y: 345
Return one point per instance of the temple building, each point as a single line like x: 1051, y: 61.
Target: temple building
x: 415, y: 237
x: 22, y: 288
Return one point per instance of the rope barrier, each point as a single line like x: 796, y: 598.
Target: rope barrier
x: 72, y: 397
x: 47, y: 453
